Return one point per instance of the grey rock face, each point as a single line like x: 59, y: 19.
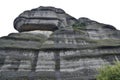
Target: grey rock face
x: 74, y: 51
x: 43, y: 18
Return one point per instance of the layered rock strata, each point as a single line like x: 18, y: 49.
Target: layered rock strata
x: 43, y: 18
x: 74, y: 50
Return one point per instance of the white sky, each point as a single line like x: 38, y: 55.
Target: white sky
x: 104, y: 11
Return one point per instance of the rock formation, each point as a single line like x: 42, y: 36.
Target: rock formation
x: 43, y: 18
x: 74, y: 49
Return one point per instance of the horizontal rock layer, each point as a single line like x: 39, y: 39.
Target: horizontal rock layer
x: 69, y: 54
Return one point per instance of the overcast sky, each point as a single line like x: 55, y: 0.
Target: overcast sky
x: 104, y: 11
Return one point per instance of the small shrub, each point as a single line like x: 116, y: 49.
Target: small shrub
x: 111, y: 72
x: 79, y: 26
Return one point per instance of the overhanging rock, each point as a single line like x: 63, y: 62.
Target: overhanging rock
x: 43, y: 18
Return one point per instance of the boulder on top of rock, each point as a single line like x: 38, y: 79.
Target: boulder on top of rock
x: 43, y: 18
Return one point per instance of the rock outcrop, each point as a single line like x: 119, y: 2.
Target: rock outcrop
x: 43, y: 18
x: 74, y: 50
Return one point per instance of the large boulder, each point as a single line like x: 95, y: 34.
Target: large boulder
x: 43, y: 18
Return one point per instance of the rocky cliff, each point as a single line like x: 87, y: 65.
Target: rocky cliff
x: 52, y: 45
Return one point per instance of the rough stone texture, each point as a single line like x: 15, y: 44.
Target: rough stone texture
x: 43, y: 18
x: 72, y: 52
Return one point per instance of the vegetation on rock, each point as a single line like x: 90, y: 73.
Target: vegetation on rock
x: 79, y: 26
x: 109, y: 72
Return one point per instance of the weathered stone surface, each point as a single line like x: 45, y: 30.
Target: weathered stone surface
x: 43, y: 18
x: 22, y: 41
x: 73, y: 51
